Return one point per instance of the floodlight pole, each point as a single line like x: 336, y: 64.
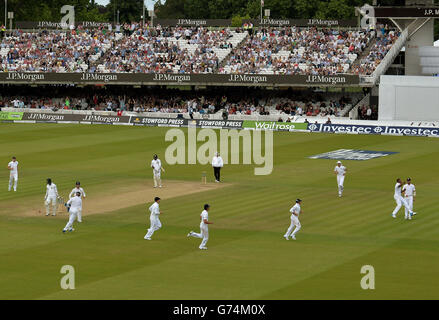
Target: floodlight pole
x: 6, y: 13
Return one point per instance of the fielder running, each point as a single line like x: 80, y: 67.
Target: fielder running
x: 295, y: 212
x: 409, y: 195
x: 204, y: 229
x: 400, y: 201
x: 50, y: 199
x: 13, y: 173
x: 73, y: 193
x: 340, y: 171
x: 75, y: 205
x: 156, y: 166
x: 154, y: 218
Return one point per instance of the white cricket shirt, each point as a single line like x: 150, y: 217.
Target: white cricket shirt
x: 410, y: 190
x: 51, y: 191
x: 397, y: 189
x: 204, y: 216
x: 340, y: 170
x: 14, y: 166
x: 295, y: 209
x: 76, y: 203
x: 75, y: 189
x: 154, y: 209
x: 156, y: 164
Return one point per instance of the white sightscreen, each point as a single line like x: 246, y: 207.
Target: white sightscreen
x: 409, y: 98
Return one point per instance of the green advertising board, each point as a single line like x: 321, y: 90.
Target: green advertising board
x: 276, y: 126
x: 10, y: 115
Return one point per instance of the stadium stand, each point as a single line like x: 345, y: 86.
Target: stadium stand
x: 282, y: 50
x: 209, y: 102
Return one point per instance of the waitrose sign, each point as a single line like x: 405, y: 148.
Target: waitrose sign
x: 11, y: 115
x: 275, y: 126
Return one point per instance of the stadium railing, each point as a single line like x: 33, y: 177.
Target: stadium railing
x: 387, y: 61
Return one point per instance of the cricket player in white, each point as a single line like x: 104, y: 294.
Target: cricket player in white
x: 13, y: 173
x: 409, y: 195
x: 154, y: 218
x: 50, y: 199
x: 400, y: 201
x: 156, y: 166
x: 73, y: 193
x: 340, y: 171
x: 295, y: 212
x: 204, y: 229
x: 75, y: 205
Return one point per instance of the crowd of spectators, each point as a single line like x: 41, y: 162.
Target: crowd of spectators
x: 243, y: 101
x: 51, y: 51
x: 314, y: 106
x: 166, y: 50
x: 368, y: 113
x: 385, y: 39
x: 132, y: 48
x: 294, y: 50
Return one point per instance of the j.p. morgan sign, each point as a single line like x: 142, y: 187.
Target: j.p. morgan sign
x: 178, y: 79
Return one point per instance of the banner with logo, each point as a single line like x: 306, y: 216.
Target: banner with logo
x: 200, y: 23
x: 373, y: 129
x: 324, y: 23
x: 219, y: 124
x: 179, y: 79
x: 45, y: 117
x: 74, y: 118
x: 158, y: 122
x: 9, y: 116
x: 275, y: 126
x: 349, y: 154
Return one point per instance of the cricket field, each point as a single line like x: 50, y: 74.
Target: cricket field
x: 248, y: 258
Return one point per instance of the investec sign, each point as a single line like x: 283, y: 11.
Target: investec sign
x: 322, y: 79
x: 245, y: 78
x: 20, y: 76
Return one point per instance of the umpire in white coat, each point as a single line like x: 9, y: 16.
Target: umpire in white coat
x: 217, y: 164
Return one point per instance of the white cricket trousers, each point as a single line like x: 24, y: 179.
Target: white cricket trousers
x: 50, y: 202
x: 155, y: 225
x: 204, y: 234
x: 400, y: 201
x: 13, y: 179
x: 79, y: 215
x: 409, y: 200
x: 340, y: 181
x: 73, y: 213
x: 157, y: 179
x: 294, y: 223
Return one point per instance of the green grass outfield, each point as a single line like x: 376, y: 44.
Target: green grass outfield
x: 247, y: 258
